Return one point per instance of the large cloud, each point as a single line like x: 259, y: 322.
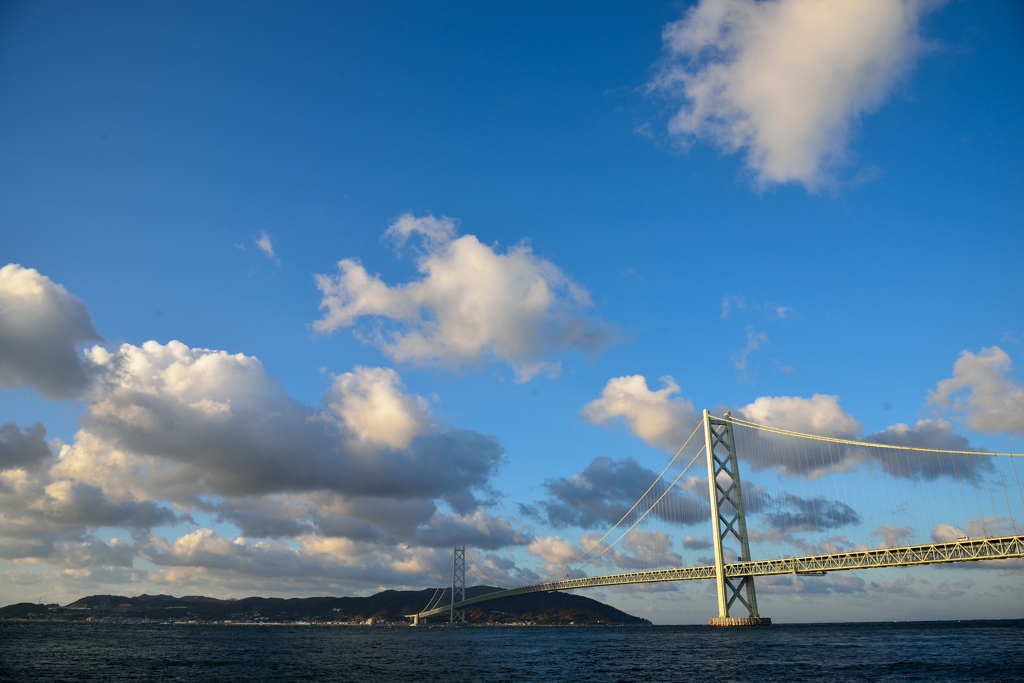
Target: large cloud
x: 471, y: 303
x: 196, y: 420
x: 212, y: 433
x: 787, y: 80
x: 349, y: 494
x: 51, y: 518
x: 41, y: 324
x: 654, y: 416
x: 983, y: 392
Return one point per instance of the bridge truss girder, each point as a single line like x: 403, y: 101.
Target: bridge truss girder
x: 969, y: 550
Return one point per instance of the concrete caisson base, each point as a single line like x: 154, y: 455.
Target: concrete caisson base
x: 739, y: 621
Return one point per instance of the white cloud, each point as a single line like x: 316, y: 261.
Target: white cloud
x: 654, y: 416
x: 372, y: 406
x: 945, y: 533
x: 266, y: 245
x: 184, y: 421
x: 554, y: 550
x: 40, y: 326
x: 345, y: 496
x: 820, y: 415
x: 787, y: 80
x: 982, y: 391
x: 471, y: 303
x: 212, y: 432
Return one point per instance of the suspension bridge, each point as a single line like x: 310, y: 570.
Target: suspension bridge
x: 809, y: 504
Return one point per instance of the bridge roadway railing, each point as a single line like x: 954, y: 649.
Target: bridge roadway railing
x: 966, y: 550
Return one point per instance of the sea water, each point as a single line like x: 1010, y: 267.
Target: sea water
x: 930, y: 651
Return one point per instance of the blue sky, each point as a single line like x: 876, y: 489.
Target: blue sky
x: 847, y: 231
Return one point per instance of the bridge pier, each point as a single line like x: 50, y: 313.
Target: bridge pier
x: 739, y: 621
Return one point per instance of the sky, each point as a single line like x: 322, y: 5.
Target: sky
x: 296, y: 296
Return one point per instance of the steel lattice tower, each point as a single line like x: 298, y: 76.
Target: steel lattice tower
x: 458, y: 584
x: 727, y: 517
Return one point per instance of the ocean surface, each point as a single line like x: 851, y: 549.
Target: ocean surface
x: 931, y: 651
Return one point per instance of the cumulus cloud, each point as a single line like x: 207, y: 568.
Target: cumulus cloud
x: 204, y: 558
x: 362, y: 490
x: 641, y: 550
x: 372, y: 406
x: 786, y: 80
x: 893, y: 536
x: 606, y: 489
x: 177, y: 419
x: 41, y: 325
x: 976, y: 527
x: 983, y: 393
x: 664, y: 420
x: 696, y: 543
x: 796, y: 514
x: 22, y: 448
x: 555, y: 550
x: 654, y: 416
x: 53, y: 519
x: 477, y: 530
x: 471, y: 303
x: 821, y: 415
x: 936, y: 434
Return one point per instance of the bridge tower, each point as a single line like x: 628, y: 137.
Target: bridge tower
x: 727, y: 517
x: 458, y: 584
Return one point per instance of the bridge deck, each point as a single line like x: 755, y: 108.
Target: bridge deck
x: 968, y: 550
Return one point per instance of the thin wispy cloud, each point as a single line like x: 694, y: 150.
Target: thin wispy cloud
x: 767, y: 310
x: 265, y: 244
x: 755, y: 340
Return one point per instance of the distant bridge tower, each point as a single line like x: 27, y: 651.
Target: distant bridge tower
x: 727, y: 517
x: 458, y: 584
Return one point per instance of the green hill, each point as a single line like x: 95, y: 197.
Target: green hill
x: 389, y: 606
